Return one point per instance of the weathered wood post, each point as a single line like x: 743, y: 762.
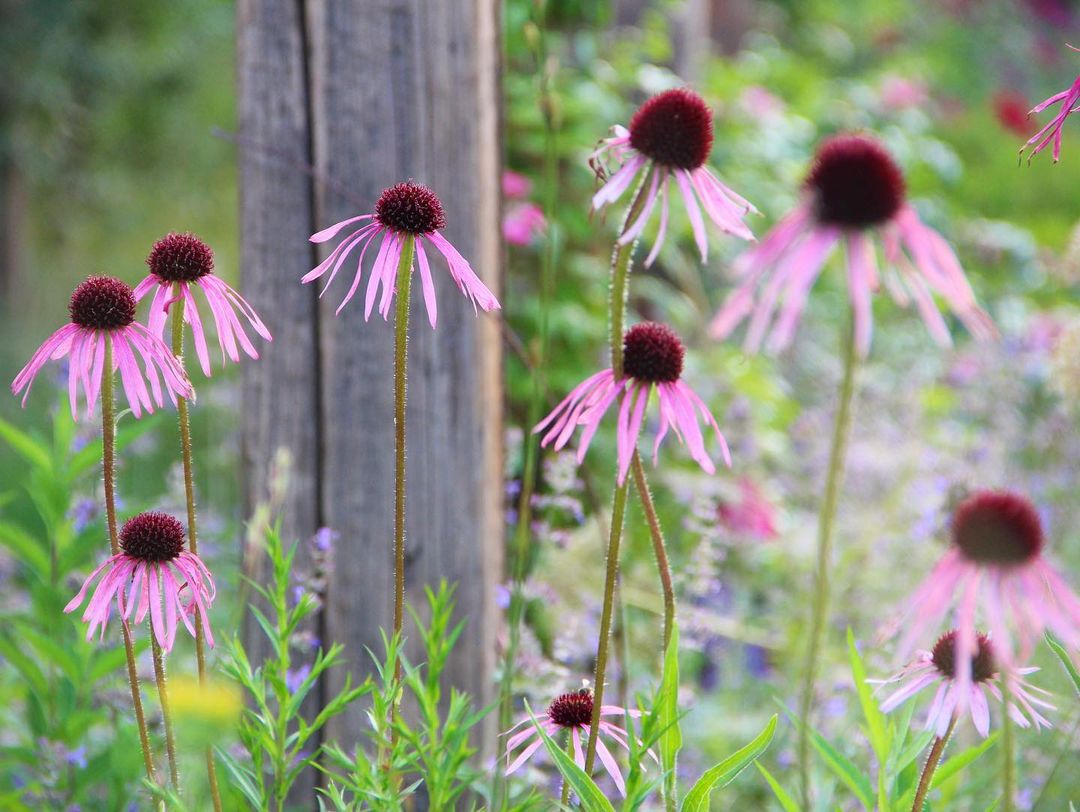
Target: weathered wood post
x: 372, y: 93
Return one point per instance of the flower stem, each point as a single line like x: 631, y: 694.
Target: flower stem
x: 564, y: 798
x: 108, y: 464
x: 931, y: 766
x: 618, y: 511
x: 659, y: 549
x: 1008, y: 751
x: 401, y: 347
x: 620, y: 275
x: 166, y: 712
x: 193, y: 535
x: 826, y: 523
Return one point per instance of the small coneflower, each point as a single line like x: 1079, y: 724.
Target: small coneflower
x: 670, y: 136
x: 151, y: 573
x: 854, y: 190
x: 571, y: 712
x: 995, y: 561
x: 652, y: 361
x: 939, y: 667
x: 1070, y: 103
x: 103, y: 306
x: 184, y: 261
x: 405, y: 211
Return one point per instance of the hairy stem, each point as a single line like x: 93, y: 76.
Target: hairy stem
x: 108, y: 464
x: 193, y: 535
x: 1008, y: 751
x: 931, y: 766
x: 401, y: 351
x: 618, y: 511
x: 564, y: 796
x: 166, y: 712
x: 659, y: 549
x: 620, y: 275
x: 826, y: 524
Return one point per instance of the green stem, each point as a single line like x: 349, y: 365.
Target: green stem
x: 826, y: 523
x: 620, y: 275
x: 931, y: 766
x: 401, y: 351
x: 193, y: 535
x: 1008, y: 751
x: 108, y: 464
x: 618, y: 511
x: 166, y: 711
x: 659, y: 549
x: 564, y: 797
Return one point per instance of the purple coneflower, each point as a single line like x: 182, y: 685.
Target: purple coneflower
x: 184, y: 261
x: 572, y: 712
x: 670, y: 138
x: 939, y: 667
x: 105, y: 307
x: 853, y: 191
x: 652, y: 361
x: 995, y: 560
x: 1070, y: 103
x: 152, y: 573
x: 405, y: 211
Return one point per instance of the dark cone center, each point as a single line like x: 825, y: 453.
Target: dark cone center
x: 573, y: 709
x: 410, y: 208
x: 102, y: 303
x: 180, y: 258
x: 152, y: 536
x: 983, y: 664
x: 855, y: 183
x: 997, y: 528
x: 674, y: 129
x: 653, y: 353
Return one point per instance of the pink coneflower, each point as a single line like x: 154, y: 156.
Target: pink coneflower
x: 938, y: 667
x: 995, y: 561
x: 750, y: 515
x: 1070, y: 103
x: 102, y: 306
x: 1011, y: 111
x: 854, y: 190
x: 652, y: 360
x: 152, y: 569
x: 572, y: 712
x: 670, y: 138
x: 185, y: 261
x: 523, y: 222
x: 405, y: 211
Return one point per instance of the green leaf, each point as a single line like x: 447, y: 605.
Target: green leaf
x: 30, y: 449
x: 582, y: 785
x: 667, y: 710
x: 961, y: 760
x: 844, y: 769
x: 875, y: 719
x: 1066, y: 660
x: 26, y: 548
x: 782, y: 795
x: 722, y: 774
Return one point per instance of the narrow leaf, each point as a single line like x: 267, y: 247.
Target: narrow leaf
x: 722, y: 774
x: 592, y: 798
x: 782, y: 795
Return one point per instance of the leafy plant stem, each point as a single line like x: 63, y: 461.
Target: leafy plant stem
x: 166, y: 711
x: 108, y: 464
x: 932, y: 761
x: 184, y: 419
x: 826, y: 525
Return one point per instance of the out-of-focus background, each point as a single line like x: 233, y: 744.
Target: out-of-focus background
x: 115, y: 124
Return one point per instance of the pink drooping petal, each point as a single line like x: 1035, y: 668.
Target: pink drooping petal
x: 169, y: 594
x: 427, y: 284
x: 980, y: 711
x: 198, y: 334
x: 693, y: 211
x: 610, y: 765
x: 330, y: 232
x: 55, y: 346
x: 378, y: 270
x: 336, y: 258
x: 567, y: 413
x: 662, y: 230
x: 461, y: 271
x: 369, y: 239
x: 905, y: 693
x: 634, y: 229
x: 524, y: 755
x: 391, y: 269
x: 619, y: 182
x: 595, y: 413
x: 861, y: 273
x: 579, y: 756
x: 631, y: 415
x: 724, y: 207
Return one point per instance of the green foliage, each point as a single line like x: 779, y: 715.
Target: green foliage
x: 274, y: 730
x: 726, y: 771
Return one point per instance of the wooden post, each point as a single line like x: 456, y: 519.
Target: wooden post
x: 372, y: 93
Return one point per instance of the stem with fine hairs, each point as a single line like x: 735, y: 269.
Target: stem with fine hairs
x: 166, y: 711
x: 931, y: 765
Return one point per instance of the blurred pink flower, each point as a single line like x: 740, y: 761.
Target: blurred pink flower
x: 760, y: 104
x: 186, y: 262
x: 1070, y: 103
x: 1011, y: 112
x: 853, y: 191
x: 995, y: 561
x: 572, y: 712
x: 407, y: 210
x: 515, y: 185
x: 103, y: 306
x: 522, y: 222
x: 152, y: 569
x: 752, y: 515
x: 938, y: 667
x: 652, y: 360
x: 900, y: 93
x: 669, y: 139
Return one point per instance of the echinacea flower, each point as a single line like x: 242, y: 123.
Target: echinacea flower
x: 154, y: 574
x: 1070, y: 103
x: 938, y: 667
x: 572, y: 712
x: 854, y: 191
x: 407, y: 211
x: 104, y: 308
x: 669, y: 139
x: 751, y: 515
x: 995, y: 561
x: 180, y: 262
x: 652, y: 361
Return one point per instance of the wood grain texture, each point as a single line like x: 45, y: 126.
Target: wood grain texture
x: 391, y: 90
